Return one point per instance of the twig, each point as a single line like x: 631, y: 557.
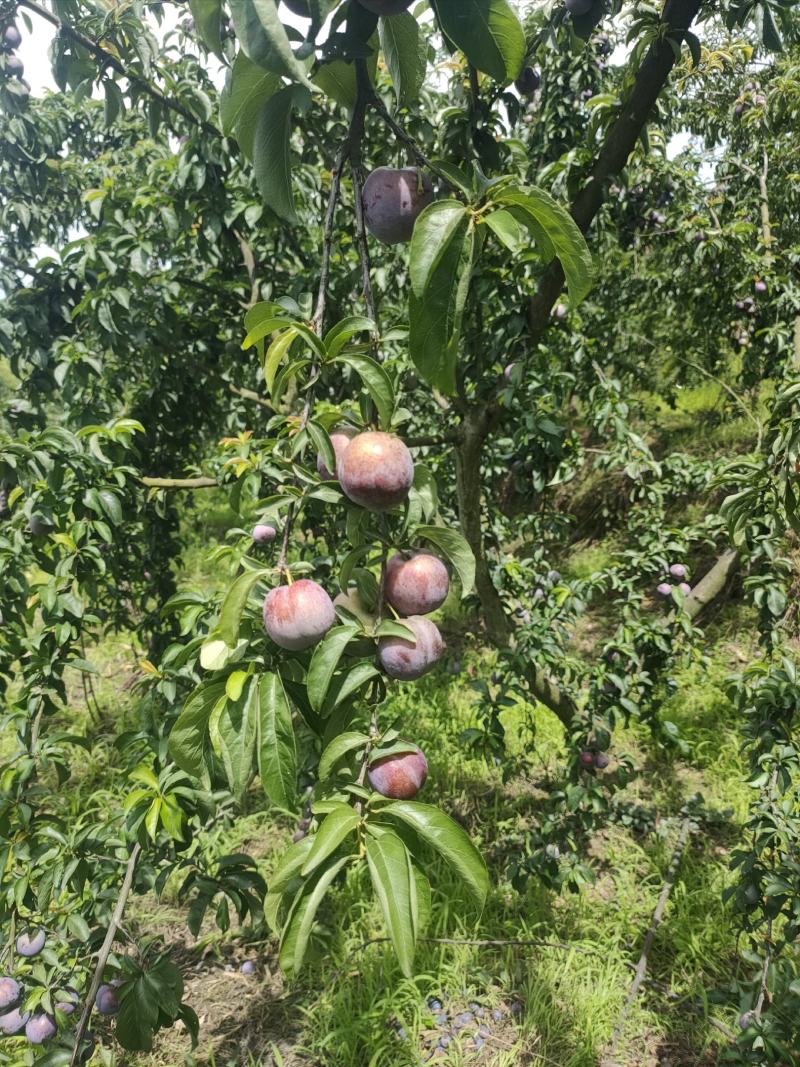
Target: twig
x: 356, y: 136
x: 180, y: 483
x: 249, y: 394
x: 105, y: 951
x: 641, y: 967
x: 378, y: 105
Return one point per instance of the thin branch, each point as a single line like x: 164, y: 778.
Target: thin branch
x: 109, y: 59
x: 249, y: 394
x: 327, y: 233
x: 655, y: 922
x: 378, y: 105
x: 180, y: 483
x: 357, y: 133
x: 105, y: 951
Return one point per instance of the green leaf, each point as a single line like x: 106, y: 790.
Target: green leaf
x: 346, y: 683
x: 277, y: 755
x: 322, y: 443
x: 237, y: 727
x: 452, y: 544
x: 264, y: 39
x: 247, y: 89
x: 230, y: 616
x: 324, y: 662
x: 276, y: 354
x: 390, y: 869
x: 377, y: 382
x: 512, y: 231
x: 339, y: 747
x: 336, y: 826
x: 448, y: 839
x: 488, y: 32
x: 207, y: 15
x: 296, y: 932
x: 442, y: 248
x: 272, y: 149
x: 187, y: 739
x: 338, y: 336
x: 563, y: 238
x: 406, y: 52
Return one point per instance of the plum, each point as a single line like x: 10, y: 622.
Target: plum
x: 12, y: 38
x: 508, y: 372
x: 560, y: 311
x: 40, y: 1028
x: 587, y: 758
x: 601, y: 761
x: 664, y: 589
x: 31, y: 942
x: 376, y: 470
x: 340, y: 439
x: 578, y: 7
x: 13, y: 1021
x: 528, y: 81
x: 394, y: 198
x: 760, y: 286
x: 248, y: 967
x: 416, y: 585
x: 405, y: 660
x: 106, y: 1000
x: 399, y: 777
x: 14, y: 68
x: 299, y: 615
x: 685, y: 588
x: 263, y: 535
x: 70, y: 1001
x: 9, y: 993
x: 677, y: 570
x: 386, y: 7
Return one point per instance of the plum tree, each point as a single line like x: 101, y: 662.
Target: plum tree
x: 9, y: 993
x: 264, y: 535
x: 400, y: 776
x: 13, y: 1021
x: 528, y: 81
x: 40, y: 1028
x: 299, y: 615
x: 386, y: 7
x: 416, y: 585
x: 340, y: 439
x: 12, y: 38
x: 376, y: 470
x: 31, y: 943
x: 405, y: 660
x: 107, y: 1002
x: 394, y: 198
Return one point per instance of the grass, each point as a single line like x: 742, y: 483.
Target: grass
x: 347, y: 1007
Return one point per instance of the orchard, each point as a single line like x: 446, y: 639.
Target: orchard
x: 399, y: 517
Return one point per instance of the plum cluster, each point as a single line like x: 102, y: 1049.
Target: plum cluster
x: 12, y: 67
x: 376, y: 472
x: 677, y: 572
x: 40, y: 1026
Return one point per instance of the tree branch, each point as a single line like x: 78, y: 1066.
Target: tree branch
x: 180, y: 483
x: 105, y: 951
x: 249, y: 394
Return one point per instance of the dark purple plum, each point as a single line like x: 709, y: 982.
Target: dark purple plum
x: 394, y: 198
x: 528, y: 81
x: 9, y: 993
x: 13, y: 1021
x: 586, y: 758
x: 40, y: 1028
x: 248, y: 967
x: 106, y: 1001
x: 14, y: 68
x: 12, y: 38
x: 578, y: 7
x: 601, y: 761
x: 31, y: 942
x: 263, y: 534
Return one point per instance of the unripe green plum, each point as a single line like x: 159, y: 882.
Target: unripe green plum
x: 299, y: 615
x: 406, y: 661
x: 386, y: 7
x: 399, y: 777
x: 394, y: 198
x: 376, y: 471
x: 340, y: 439
x: 417, y: 585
